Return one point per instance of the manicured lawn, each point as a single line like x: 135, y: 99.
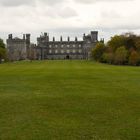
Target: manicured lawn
x: 69, y: 100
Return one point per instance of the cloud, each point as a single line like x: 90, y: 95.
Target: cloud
x: 16, y: 2
x: 67, y: 12
x: 96, y: 1
x: 11, y: 3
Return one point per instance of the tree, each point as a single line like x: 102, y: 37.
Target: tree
x: 134, y: 58
x: 2, y: 54
x: 116, y: 41
x: 130, y: 41
x: 137, y: 42
x: 120, y: 49
x: 2, y: 45
x: 2, y: 50
x: 108, y: 57
x: 121, y: 55
x: 98, y: 51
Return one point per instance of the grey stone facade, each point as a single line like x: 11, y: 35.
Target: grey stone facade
x: 47, y: 49
x: 18, y: 48
x: 22, y: 49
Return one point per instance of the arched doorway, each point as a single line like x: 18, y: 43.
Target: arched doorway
x: 67, y: 57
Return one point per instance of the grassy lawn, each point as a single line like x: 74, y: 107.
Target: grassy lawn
x: 69, y: 100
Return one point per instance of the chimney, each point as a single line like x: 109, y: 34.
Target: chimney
x: 76, y: 39
x: 61, y: 39
x: 53, y: 39
x: 68, y: 38
x: 24, y: 36
x: 84, y: 36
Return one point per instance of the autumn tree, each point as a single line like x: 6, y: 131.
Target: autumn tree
x: 108, y: 57
x: 98, y: 51
x: 116, y: 41
x: 137, y: 43
x: 121, y: 55
x: 134, y: 58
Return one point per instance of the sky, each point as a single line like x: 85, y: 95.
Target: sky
x: 69, y: 17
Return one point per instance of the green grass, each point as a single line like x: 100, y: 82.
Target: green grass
x: 69, y: 100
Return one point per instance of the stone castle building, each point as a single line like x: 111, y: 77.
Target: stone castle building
x: 22, y: 49
x: 17, y: 47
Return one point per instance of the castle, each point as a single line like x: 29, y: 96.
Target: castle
x: 22, y: 49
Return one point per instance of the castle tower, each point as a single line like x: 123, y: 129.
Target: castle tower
x: 28, y: 45
x: 94, y: 36
x: 28, y: 39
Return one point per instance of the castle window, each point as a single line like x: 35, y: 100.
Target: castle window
x: 62, y: 51
x: 50, y: 46
x: 74, y: 45
x: 79, y: 45
x: 80, y: 51
x: 74, y: 51
x: 56, y: 46
x: 62, y: 46
x: 68, y: 51
x: 56, y: 51
x: 50, y: 51
x: 68, y: 46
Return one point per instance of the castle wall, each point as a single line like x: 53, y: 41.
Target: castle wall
x: 61, y: 50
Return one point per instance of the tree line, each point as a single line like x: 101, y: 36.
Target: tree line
x: 119, y: 50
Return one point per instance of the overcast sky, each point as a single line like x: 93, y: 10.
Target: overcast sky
x: 69, y: 17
